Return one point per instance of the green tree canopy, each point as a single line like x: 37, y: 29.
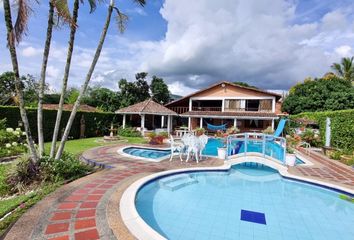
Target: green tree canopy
x: 320, y: 95
x: 102, y: 98
x: 8, y: 94
x: 159, y: 90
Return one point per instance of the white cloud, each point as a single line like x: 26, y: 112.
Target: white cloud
x: 53, y: 72
x: 31, y: 52
x: 344, y: 51
x: 251, y: 41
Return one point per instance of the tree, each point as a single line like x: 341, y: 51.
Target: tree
x: 8, y: 94
x: 73, y: 27
x: 102, y: 98
x: 345, y: 69
x: 142, y: 87
x: 42, y: 80
x: 319, y: 95
x: 14, y: 34
x: 245, y: 85
x: 159, y: 90
x: 121, y: 23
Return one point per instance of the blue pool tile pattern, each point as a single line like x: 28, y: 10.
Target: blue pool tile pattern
x: 255, y: 217
x: 211, y: 208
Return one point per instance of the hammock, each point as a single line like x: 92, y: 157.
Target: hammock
x: 216, y: 127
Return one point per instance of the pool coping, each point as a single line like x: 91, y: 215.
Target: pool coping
x: 141, y: 230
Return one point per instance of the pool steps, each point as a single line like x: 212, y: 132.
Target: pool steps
x: 176, y: 182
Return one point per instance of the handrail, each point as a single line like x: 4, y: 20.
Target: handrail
x: 250, y: 145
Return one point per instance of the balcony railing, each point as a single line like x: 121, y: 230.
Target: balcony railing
x: 180, y: 110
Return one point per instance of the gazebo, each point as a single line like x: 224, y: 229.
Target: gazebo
x: 148, y: 107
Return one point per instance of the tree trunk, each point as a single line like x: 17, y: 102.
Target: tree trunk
x: 87, y: 80
x: 65, y: 78
x: 13, y: 54
x: 42, y: 81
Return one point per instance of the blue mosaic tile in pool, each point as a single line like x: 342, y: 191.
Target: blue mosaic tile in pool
x: 255, y: 217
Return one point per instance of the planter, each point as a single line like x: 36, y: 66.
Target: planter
x: 222, y: 153
x: 290, y: 159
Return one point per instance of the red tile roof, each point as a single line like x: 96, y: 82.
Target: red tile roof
x: 241, y: 114
x: 147, y: 107
x: 69, y: 107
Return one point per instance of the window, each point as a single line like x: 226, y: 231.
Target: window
x: 252, y: 105
x: 232, y: 105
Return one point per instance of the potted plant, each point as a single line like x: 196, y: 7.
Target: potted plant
x: 222, y: 151
x: 290, y: 157
x: 199, y: 131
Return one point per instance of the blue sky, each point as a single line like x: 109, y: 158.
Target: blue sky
x: 191, y: 44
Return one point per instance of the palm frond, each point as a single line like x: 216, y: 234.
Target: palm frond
x: 20, y: 28
x: 121, y: 19
x: 338, y: 68
x: 140, y: 2
x: 63, y: 11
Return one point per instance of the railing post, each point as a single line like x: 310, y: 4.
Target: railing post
x: 263, y: 145
x: 246, y: 136
x: 284, y: 162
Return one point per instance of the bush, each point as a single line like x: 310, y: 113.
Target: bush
x: 11, y: 142
x: 96, y: 123
x: 342, y: 127
x: 157, y: 139
x: 128, y: 132
x: 310, y: 137
x: 268, y: 130
x: 66, y: 168
x: 336, y: 155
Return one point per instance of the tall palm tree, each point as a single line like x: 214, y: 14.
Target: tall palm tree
x: 345, y: 69
x: 122, y: 19
x: 67, y: 70
x: 14, y: 35
x: 42, y: 79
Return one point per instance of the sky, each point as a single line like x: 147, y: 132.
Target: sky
x: 272, y: 44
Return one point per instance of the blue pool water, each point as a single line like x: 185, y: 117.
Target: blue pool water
x: 146, y: 152
x: 243, y: 203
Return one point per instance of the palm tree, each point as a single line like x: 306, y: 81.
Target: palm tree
x: 121, y: 18
x: 345, y: 69
x: 14, y: 35
x: 67, y: 70
x: 42, y: 79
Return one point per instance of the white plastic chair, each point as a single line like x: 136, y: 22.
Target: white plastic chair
x: 203, y: 140
x: 175, y: 147
x: 193, y: 144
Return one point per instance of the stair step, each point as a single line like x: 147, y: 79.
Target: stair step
x: 176, y: 182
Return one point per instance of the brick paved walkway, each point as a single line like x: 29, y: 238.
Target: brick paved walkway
x: 77, y: 214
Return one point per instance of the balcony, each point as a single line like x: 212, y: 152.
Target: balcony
x: 180, y: 110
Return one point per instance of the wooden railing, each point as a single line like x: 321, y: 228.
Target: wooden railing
x: 180, y: 110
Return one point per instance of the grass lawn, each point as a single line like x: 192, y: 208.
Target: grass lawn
x: 78, y: 146
x: 4, y: 188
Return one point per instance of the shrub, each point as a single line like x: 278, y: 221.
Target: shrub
x: 268, y: 130
x: 157, y: 140
x: 2, y: 123
x: 342, y: 126
x: 164, y: 134
x: 96, y: 123
x: 232, y: 130
x: 11, y: 142
x: 128, y: 132
x: 66, y: 168
x: 310, y: 137
x: 336, y: 155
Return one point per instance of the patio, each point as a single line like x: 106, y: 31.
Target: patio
x: 87, y: 208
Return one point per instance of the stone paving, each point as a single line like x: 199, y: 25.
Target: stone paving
x: 80, y: 213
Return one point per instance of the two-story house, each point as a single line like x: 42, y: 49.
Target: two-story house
x: 246, y: 108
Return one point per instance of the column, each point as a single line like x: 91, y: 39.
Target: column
x: 273, y: 124
x: 169, y: 121
x: 201, y: 122
x: 142, y: 124
x: 162, y: 121
x: 235, y: 122
x: 189, y: 123
x: 124, y: 120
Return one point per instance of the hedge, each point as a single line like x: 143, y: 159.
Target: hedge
x: 96, y: 123
x: 342, y: 126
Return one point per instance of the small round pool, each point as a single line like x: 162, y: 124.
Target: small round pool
x: 246, y: 202
x: 148, y: 153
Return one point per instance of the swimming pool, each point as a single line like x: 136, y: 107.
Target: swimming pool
x: 243, y: 203
x: 211, y: 149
